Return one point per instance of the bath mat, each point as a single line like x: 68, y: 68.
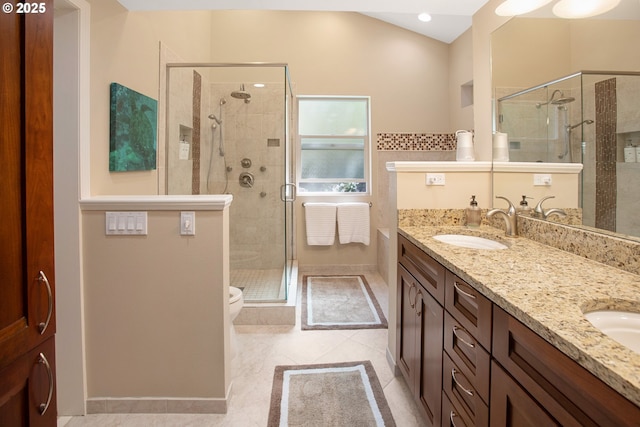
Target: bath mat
x: 339, y: 302
x: 338, y: 394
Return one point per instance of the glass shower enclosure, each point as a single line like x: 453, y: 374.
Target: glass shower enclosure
x: 228, y: 132
x: 589, y: 117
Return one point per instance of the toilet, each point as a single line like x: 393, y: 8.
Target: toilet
x: 236, y: 301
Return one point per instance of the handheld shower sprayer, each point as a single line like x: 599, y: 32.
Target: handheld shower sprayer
x: 215, y: 119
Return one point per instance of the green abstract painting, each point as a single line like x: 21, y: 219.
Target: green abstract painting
x: 134, y: 124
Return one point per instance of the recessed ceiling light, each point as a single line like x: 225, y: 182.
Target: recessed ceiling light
x: 424, y: 17
x: 573, y: 9
x: 519, y: 7
x: 258, y: 85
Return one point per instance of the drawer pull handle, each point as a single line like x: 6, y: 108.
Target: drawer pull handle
x: 42, y: 326
x: 459, y: 289
x: 453, y: 375
x: 452, y: 415
x: 412, y: 301
x: 462, y: 340
x: 419, y: 312
x: 44, y: 406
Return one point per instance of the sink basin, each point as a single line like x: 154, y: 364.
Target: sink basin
x: 472, y: 242
x: 622, y: 326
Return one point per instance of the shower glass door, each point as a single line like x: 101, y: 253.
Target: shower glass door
x: 227, y: 132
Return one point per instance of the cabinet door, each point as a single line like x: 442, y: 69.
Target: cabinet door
x: 432, y: 323
x: 406, y: 345
x: 26, y: 174
x: 511, y: 406
x: 27, y: 389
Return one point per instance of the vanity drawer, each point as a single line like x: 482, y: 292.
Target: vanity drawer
x: 470, y: 308
x: 462, y: 394
x: 454, y: 416
x: 469, y: 357
x: 429, y: 272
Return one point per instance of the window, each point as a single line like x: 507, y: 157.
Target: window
x: 334, y: 144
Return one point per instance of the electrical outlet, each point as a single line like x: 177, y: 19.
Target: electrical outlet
x: 542, y: 179
x: 435, y: 179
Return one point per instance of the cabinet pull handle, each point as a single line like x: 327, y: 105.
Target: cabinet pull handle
x: 466, y: 294
x: 452, y: 415
x: 419, y: 312
x: 462, y: 340
x: 42, y: 326
x: 44, y: 406
x: 453, y: 375
x: 412, y: 302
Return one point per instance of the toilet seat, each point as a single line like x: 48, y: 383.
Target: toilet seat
x: 234, y: 294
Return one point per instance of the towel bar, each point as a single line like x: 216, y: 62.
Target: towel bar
x: 305, y: 203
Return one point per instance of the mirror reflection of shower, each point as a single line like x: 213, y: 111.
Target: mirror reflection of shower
x: 217, y: 124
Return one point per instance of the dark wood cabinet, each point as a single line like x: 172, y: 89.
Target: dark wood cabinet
x: 568, y: 393
x: 27, y: 290
x: 489, y: 368
x: 420, y: 344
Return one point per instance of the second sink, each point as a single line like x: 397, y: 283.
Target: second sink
x: 622, y: 326
x: 471, y: 242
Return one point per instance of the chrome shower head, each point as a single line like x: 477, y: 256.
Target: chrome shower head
x: 552, y: 100
x: 563, y: 100
x: 241, y: 94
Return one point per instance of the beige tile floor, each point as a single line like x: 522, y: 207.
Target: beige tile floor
x: 259, y: 350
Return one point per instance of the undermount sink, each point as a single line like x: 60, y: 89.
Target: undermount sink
x: 472, y: 242
x: 622, y: 326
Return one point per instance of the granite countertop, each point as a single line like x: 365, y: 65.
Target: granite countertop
x: 548, y: 290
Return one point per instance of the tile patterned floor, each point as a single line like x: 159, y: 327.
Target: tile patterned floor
x: 258, y: 285
x: 260, y: 349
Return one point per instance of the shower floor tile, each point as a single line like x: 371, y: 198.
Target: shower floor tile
x: 259, y: 285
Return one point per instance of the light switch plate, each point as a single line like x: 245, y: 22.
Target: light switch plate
x: 126, y: 223
x: 188, y: 223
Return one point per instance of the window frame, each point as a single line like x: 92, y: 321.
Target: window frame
x: 366, y: 149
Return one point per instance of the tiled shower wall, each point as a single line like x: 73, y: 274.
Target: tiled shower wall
x: 253, y: 131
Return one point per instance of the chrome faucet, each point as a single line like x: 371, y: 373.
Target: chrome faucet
x: 539, y: 212
x: 510, y: 217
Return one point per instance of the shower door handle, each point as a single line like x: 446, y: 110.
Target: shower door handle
x: 283, y: 192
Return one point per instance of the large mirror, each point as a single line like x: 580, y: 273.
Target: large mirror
x: 539, y: 51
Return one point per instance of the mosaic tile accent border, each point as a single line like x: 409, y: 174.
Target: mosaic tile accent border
x: 416, y: 141
x: 606, y: 179
x: 195, y: 137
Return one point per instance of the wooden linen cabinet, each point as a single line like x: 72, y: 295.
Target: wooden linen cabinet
x: 27, y: 279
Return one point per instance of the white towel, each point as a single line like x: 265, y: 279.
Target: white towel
x: 353, y: 222
x: 320, y: 220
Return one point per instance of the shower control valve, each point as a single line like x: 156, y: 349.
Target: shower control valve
x: 246, y: 180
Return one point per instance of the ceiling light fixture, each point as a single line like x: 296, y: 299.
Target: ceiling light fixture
x: 424, y: 17
x: 569, y: 9
x: 519, y: 7
x: 575, y: 9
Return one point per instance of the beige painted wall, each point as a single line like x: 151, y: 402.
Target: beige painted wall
x: 157, y: 332
x: 125, y: 49
x: 461, y: 73
x: 413, y: 193
x: 513, y: 185
x: 406, y: 75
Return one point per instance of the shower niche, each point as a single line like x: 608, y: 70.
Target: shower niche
x: 227, y: 114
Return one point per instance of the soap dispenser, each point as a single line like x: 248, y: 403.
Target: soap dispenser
x: 473, y: 213
x: 524, y: 208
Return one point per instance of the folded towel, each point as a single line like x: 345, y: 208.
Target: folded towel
x: 353, y: 222
x: 320, y: 221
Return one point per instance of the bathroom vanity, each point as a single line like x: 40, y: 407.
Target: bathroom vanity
x: 499, y: 337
